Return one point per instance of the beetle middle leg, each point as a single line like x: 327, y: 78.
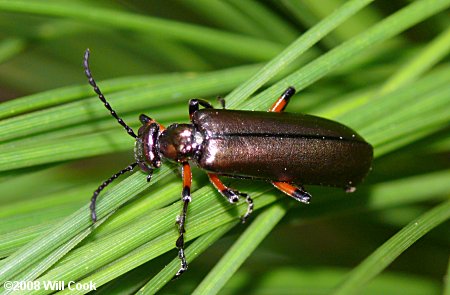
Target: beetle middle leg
x: 181, y: 220
x: 231, y: 195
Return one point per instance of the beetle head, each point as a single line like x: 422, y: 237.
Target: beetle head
x: 146, y: 150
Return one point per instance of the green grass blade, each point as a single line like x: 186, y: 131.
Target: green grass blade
x: 225, y: 15
x: 11, y: 47
x: 192, y: 251
x: 241, y: 250
x: 430, y: 55
x: 309, y: 280
x: 73, y: 224
x: 266, y: 20
x: 387, y: 28
x: 293, y: 51
x: 71, y: 93
x: 121, y: 252
x: 390, y: 250
x: 220, y: 41
x: 447, y: 281
x: 173, y: 90
x: 43, y: 265
x: 46, y: 236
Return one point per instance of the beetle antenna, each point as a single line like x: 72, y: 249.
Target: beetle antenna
x: 105, y: 184
x: 88, y: 73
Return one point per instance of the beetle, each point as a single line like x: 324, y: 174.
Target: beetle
x: 289, y: 150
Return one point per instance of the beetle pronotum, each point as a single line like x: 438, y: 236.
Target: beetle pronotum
x: 289, y: 150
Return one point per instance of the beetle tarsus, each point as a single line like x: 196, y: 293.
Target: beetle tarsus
x: 302, y: 196
x: 231, y: 195
x: 249, y: 207
x: 184, y: 264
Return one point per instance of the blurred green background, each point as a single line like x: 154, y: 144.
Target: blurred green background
x: 379, y: 67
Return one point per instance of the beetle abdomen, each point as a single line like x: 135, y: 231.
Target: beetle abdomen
x: 281, y: 146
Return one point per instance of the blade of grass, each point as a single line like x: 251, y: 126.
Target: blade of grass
x: 241, y: 250
x: 11, y: 47
x: 74, y: 224
x: 385, y: 29
x: 71, y: 93
x: 200, y: 212
x: 420, y: 63
x: 294, y: 50
x: 220, y: 41
x: 395, y: 246
x: 192, y: 251
x: 433, y: 103
x: 447, y: 281
x: 177, y: 114
x: 43, y: 265
x: 405, y: 96
x: 67, y: 149
x: 353, y: 26
x: 125, y: 252
x: 266, y: 20
x: 225, y: 16
x: 307, y: 280
x: 306, y: 18
x: 144, y: 97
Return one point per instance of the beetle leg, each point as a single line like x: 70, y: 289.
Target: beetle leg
x: 231, y: 195
x: 283, y: 100
x: 194, y: 105
x: 221, y: 100
x: 297, y: 193
x: 181, y: 220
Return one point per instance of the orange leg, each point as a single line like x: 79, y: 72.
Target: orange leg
x: 283, y: 100
x: 297, y: 193
x: 231, y: 195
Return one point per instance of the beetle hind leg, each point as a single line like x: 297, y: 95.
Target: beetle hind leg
x: 297, y: 193
x: 283, y: 100
x: 231, y: 195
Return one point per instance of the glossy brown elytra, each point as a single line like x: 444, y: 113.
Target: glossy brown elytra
x: 289, y: 150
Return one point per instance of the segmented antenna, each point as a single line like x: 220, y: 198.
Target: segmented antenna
x: 105, y: 184
x: 88, y: 73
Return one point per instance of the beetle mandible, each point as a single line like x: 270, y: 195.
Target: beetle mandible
x: 288, y: 150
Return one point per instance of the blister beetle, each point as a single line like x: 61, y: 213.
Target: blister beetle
x: 288, y: 150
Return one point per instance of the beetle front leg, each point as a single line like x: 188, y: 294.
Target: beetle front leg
x: 194, y: 105
x: 181, y: 220
x: 283, y: 100
x: 231, y: 195
x: 297, y: 193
